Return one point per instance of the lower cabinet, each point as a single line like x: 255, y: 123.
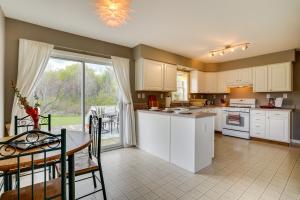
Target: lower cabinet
x: 154, y: 134
x: 271, y: 125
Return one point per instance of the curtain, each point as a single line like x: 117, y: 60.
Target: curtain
x: 121, y: 69
x: 33, y: 59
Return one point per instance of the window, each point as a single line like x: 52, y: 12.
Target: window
x: 73, y: 87
x: 182, y: 87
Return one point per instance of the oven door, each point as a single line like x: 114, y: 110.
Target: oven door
x: 233, y: 122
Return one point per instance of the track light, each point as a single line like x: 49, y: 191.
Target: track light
x: 230, y: 48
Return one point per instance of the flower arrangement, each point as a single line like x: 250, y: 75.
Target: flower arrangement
x: 32, y: 111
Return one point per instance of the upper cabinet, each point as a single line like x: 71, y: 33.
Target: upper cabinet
x: 239, y: 77
x: 221, y: 81
x: 152, y: 75
x: 211, y: 82
x: 170, y: 77
x: 273, y: 78
x: 280, y: 77
x: 197, y: 81
x: 203, y: 82
x: 260, y: 79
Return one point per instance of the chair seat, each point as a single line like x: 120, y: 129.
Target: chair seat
x: 52, y: 189
x: 83, y: 165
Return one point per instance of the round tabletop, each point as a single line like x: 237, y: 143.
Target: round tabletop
x: 75, y: 141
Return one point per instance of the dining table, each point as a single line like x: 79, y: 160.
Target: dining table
x: 75, y: 142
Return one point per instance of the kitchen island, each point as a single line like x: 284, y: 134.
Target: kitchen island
x: 186, y: 140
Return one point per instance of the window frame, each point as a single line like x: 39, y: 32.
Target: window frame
x: 188, y: 88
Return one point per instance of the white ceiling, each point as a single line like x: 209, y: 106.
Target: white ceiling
x: 187, y: 27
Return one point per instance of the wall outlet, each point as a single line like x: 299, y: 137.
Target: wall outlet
x: 268, y: 96
x: 139, y: 95
x: 285, y: 96
x: 143, y: 95
x: 161, y: 96
x: 225, y: 96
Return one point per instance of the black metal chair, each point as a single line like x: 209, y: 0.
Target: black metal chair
x: 27, y: 123
x: 28, y: 150
x: 90, y: 162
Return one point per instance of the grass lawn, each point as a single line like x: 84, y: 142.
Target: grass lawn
x: 65, y: 120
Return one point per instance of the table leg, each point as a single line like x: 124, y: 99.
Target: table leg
x: 71, y: 177
x: 6, y: 182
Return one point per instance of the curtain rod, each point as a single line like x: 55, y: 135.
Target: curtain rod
x: 81, y: 51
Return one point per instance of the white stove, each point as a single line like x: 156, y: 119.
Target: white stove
x: 236, y: 118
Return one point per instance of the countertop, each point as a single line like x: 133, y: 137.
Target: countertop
x: 192, y: 115
x: 275, y: 109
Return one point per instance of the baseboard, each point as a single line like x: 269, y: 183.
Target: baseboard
x: 269, y: 141
x: 295, y: 141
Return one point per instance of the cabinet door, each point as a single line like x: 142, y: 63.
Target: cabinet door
x: 232, y: 77
x: 260, y: 79
x: 170, y: 77
x: 280, y: 77
x: 153, y: 75
x: 221, y: 80
x: 210, y: 82
x: 245, y: 76
x: 277, y: 127
x: 197, y: 82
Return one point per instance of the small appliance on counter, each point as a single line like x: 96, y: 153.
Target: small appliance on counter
x: 273, y: 103
x: 152, y: 101
x: 168, y: 102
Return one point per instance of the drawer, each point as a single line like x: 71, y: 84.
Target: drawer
x: 258, y: 112
x: 258, y: 127
x: 257, y: 133
x: 258, y: 119
x: 278, y: 114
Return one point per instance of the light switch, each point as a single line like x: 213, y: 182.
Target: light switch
x: 225, y: 96
x: 161, y: 96
x: 268, y: 96
x: 285, y: 96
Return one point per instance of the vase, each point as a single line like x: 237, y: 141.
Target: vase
x: 34, y: 114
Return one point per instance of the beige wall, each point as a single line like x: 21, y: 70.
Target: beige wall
x: 2, y: 46
x: 148, y: 52
x: 17, y: 29
x: 283, y: 56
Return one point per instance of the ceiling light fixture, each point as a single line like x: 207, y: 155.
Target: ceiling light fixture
x: 113, y: 12
x: 227, y: 48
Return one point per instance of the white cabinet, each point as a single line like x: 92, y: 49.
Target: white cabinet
x: 197, y: 82
x: 210, y: 82
x: 258, y: 123
x: 170, y: 77
x: 239, y: 77
x: 273, y: 78
x: 270, y: 124
x: 221, y: 81
x: 245, y: 76
x: 278, y: 126
x: 280, y: 77
x: 192, y: 142
x: 260, y: 79
x: 152, y: 75
x: 217, y: 118
x: 153, y: 134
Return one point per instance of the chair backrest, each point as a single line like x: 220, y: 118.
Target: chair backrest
x: 95, y: 133
x: 21, y: 159
x: 27, y: 123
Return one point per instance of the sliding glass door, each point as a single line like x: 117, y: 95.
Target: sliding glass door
x: 71, y: 90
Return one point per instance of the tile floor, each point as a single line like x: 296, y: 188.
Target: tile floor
x: 241, y: 169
